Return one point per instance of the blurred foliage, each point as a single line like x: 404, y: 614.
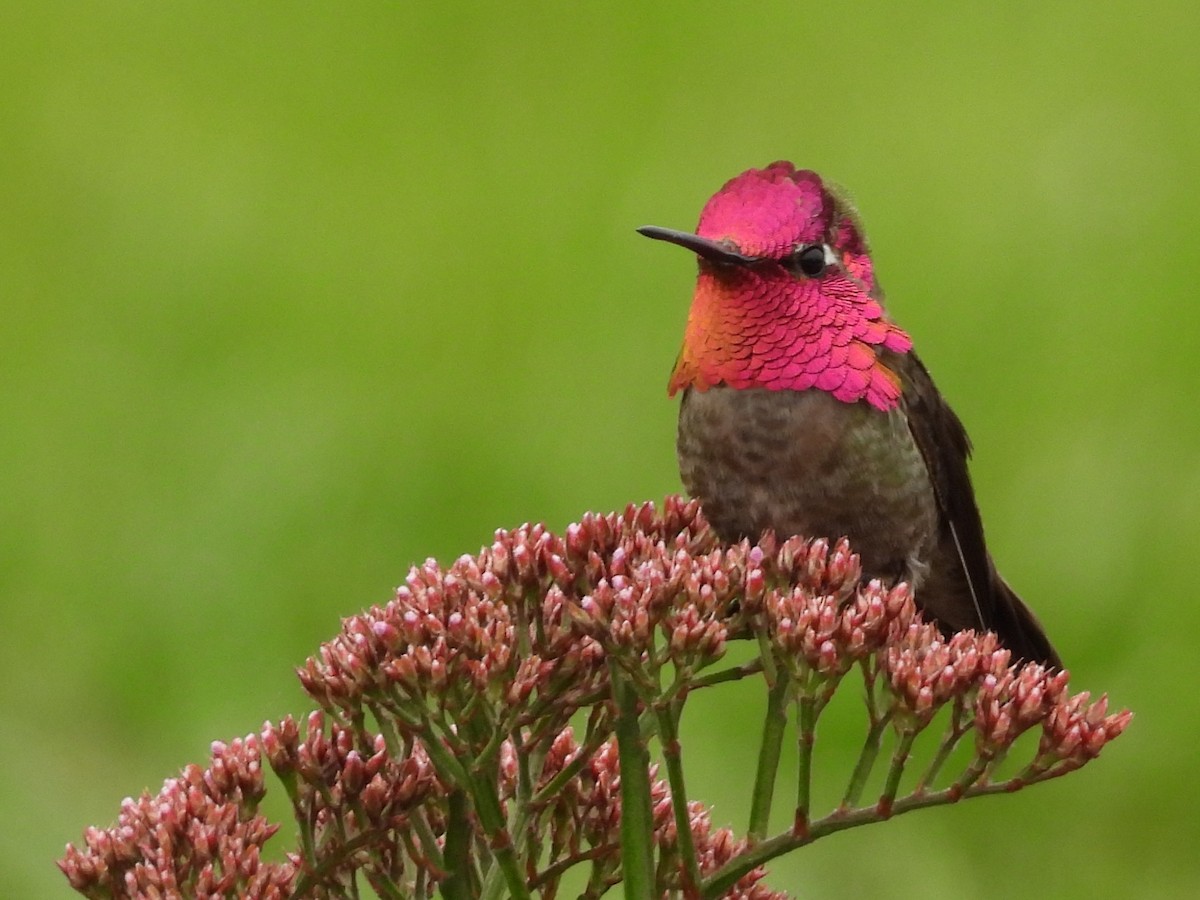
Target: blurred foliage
x: 295, y: 295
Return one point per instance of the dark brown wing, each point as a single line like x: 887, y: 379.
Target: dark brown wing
x: 945, y: 447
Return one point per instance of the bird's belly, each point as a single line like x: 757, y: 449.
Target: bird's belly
x: 803, y: 462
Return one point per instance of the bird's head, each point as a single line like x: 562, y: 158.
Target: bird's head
x: 786, y: 297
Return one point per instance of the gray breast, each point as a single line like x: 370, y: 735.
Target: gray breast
x: 802, y: 462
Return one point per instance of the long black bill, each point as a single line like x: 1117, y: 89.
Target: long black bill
x: 710, y: 250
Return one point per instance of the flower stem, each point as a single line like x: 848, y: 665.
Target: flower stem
x: 291, y: 784
x: 733, y: 673
x: 804, y: 744
x: 719, y: 882
x: 569, y: 771
x: 900, y: 755
x: 457, y: 855
x: 668, y: 731
x: 973, y: 772
x: 866, y: 762
x: 491, y: 817
x: 637, y: 816
x: 769, y: 751
x: 954, y: 733
x: 434, y: 859
x: 568, y: 861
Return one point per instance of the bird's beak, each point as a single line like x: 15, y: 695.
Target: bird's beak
x: 713, y: 251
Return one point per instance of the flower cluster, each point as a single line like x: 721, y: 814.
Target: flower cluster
x: 839, y: 623
x: 488, y: 729
x: 200, y: 836
x: 379, y: 816
x: 503, y: 625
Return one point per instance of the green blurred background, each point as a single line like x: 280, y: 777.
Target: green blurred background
x: 297, y: 294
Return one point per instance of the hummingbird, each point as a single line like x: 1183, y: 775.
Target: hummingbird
x: 804, y: 409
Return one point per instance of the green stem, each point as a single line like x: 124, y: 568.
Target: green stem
x: 291, y: 784
x: 993, y: 764
x: 413, y: 715
x: 334, y: 823
x: 487, y: 806
x: 766, y: 656
x: 569, y: 771
x: 562, y: 864
x: 805, y: 740
x: 719, y: 882
x: 887, y: 799
x: 972, y: 773
x: 419, y: 825
x: 551, y: 701
x: 491, y: 750
x: 866, y: 761
x: 446, y: 763
x: 769, y: 752
x: 637, y: 817
x: 386, y: 888
x: 457, y: 885
x: 954, y: 733
x: 734, y: 673
x: 668, y: 730
x: 524, y: 770
x: 391, y: 738
x: 1033, y: 774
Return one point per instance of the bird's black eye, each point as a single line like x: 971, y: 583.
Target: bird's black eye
x: 809, y: 260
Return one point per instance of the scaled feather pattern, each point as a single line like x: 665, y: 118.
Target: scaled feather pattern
x: 748, y: 327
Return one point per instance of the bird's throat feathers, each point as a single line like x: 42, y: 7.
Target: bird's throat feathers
x: 749, y: 329
x: 767, y: 325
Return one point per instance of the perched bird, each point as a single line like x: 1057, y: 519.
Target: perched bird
x: 806, y: 411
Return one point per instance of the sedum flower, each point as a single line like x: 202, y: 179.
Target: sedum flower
x: 470, y: 740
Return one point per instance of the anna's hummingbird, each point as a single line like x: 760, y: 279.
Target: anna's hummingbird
x: 805, y: 410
